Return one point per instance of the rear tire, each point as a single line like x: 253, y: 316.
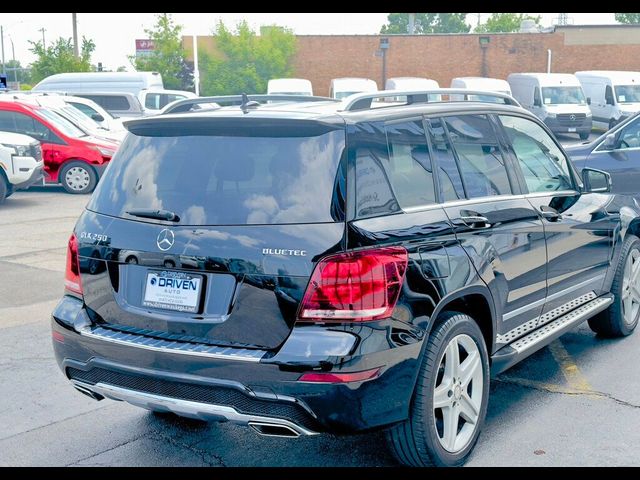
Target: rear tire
x: 621, y: 318
x: 584, y: 135
x: 78, y: 177
x: 454, y: 373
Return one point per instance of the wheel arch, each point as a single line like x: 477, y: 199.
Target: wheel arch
x: 475, y: 301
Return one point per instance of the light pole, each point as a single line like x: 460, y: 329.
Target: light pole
x: 15, y: 66
x: 384, y: 46
x: 4, y: 71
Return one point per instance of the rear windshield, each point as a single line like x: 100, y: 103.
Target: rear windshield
x: 262, y: 175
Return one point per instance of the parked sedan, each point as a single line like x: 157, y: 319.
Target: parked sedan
x: 617, y: 152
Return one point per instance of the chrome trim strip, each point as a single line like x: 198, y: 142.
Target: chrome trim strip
x: 171, y: 346
x: 518, y: 311
x: 204, y: 411
x: 563, y: 323
x: 576, y: 287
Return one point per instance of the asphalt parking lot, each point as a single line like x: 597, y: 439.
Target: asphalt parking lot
x: 576, y: 402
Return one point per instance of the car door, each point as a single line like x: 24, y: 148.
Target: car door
x: 578, y: 231
x: 497, y: 227
x: 622, y: 161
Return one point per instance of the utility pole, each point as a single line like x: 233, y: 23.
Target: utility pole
x: 4, y: 71
x: 74, y: 20
x: 13, y: 56
x: 43, y: 30
x: 412, y: 24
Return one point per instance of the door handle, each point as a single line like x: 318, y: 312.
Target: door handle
x: 550, y: 213
x: 471, y: 219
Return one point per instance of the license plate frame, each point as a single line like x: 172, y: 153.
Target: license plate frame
x: 165, y: 290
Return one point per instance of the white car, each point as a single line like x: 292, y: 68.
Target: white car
x: 96, y: 113
x: 21, y: 163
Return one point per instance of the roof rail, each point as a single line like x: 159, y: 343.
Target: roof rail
x: 181, y: 106
x: 362, y: 101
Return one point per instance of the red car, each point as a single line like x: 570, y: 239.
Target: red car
x: 71, y: 157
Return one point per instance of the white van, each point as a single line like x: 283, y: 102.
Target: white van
x: 483, y: 84
x: 343, y: 87
x: 555, y: 98
x: 411, y: 84
x: 129, y: 82
x: 289, y: 86
x: 614, y: 95
x: 155, y: 100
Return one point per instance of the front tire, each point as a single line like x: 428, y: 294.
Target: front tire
x: 78, y: 177
x: 4, y: 189
x: 584, y: 135
x: 621, y: 318
x: 449, y: 403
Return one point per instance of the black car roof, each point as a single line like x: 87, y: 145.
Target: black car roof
x: 327, y: 112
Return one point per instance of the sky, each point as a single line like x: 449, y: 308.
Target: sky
x: 114, y: 33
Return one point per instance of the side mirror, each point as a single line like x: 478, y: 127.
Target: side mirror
x: 537, y: 102
x: 609, y: 142
x: 609, y: 101
x: 97, y: 117
x: 596, y: 181
x: 588, y: 100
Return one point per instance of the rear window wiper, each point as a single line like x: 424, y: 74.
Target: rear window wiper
x: 157, y: 214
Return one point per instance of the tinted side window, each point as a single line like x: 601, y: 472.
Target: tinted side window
x: 30, y: 126
x: 152, y: 100
x: 116, y: 103
x: 481, y: 162
x: 409, y: 167
x: 543, y: 164
x: 7, y: 122
x: 537, y: 100
x: 86, y: 109
x: 630, y: 136
x: 451, y: 186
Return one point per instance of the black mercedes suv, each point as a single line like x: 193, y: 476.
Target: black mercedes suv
x: 319, y: 266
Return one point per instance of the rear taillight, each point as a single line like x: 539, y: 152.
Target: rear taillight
x: 355, y: 286
x: 332, y: 377
x: 72, y: 274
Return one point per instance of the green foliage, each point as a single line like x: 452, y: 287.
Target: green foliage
x: 427, y: 23
x: 25, y: 86
x: 628, y: 17
x: 168, y: 57
x: 249, y: 61
x: 504, y: 22
x: 23, y: 75
x: 59, y: 58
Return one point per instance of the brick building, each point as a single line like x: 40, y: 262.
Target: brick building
x: 443, y: 57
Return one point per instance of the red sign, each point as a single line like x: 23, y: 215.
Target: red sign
x: 144, y: 45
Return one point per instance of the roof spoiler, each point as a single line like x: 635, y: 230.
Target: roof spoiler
x: 185, y: 105
x: 362, y: 101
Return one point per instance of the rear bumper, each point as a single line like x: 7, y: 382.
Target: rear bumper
x: 253, y: 392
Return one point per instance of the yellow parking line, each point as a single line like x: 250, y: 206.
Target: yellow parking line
x: 570, y: 370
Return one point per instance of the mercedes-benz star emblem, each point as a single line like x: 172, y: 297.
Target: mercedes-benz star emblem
x: 572, y: 117
x: 165, y: 239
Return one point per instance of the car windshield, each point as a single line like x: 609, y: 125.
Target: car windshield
x: 563, y: 95
x: 341, y: 95
x: 79, y: 119
x: 89, y: 111
x: 628, y: 93
x: 61, y: 123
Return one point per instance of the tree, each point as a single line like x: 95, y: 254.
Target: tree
x: 427, y: 23
x: 627, y: 17
x: 247, y: 61
x: 59, y: 58
x: 121, y: 68
x: 505, y: 22
x: 16, y: 71
x: 168, y: 56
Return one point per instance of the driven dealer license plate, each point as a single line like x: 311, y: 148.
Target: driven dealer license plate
x: 172, y: 291
x: 571, y: 129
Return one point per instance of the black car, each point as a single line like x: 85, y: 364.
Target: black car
x: 339, y: 268
x: 616, y: 152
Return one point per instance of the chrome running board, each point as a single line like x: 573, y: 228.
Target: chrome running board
x: 519, y: 349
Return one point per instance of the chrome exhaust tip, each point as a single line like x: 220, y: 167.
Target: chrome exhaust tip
x: 274, y: 430
x: 88, y: 393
